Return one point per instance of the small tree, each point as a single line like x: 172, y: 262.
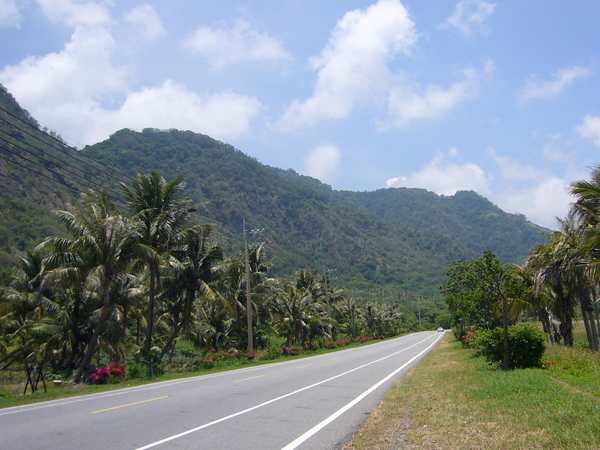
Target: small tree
x: 482, y: 291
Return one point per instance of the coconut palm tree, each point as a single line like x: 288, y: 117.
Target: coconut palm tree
x: 197, y: 258
x: 161, y: 213
x: 566, y: 276
x: 102, y: 247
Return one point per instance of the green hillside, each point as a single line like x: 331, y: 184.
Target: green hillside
x: 399, y: 238
x: 469, y: 219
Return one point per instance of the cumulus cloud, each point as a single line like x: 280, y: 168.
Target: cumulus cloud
x: 75, y: 13
x: 171, y: 105
x: 541, y: 202
x: 233, y: 44
x: 470, y: 17
x: 323, y: 162
x: 531, y: 191
x: 445, y: 178
x: 406, y: 103
x: 83, y: 94
x: 512, y: 169
x: 146, y: 21
x: 353, y: 66
x: 590, y: 128
x: 540, y: 89
x: 80, y: 73
x: 9, y: 14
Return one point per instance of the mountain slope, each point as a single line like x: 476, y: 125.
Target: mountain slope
x: 399, y: 236
x: 396, y: 237
x: 469, y: 219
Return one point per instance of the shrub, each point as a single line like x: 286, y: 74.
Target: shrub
x: 292, y: 350
x: 112, y: 372
x: 526, y: 345
x: 137, y: 371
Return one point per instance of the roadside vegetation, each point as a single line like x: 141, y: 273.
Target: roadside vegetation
x: 455, y: 399
x: 144, y: 289
x: 498, y: 383
x: 188, y: 361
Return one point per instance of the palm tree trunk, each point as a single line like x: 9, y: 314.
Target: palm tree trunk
x: 506, y: 355
x: 91, y: 349
x: 150, y: 315
x: 588, y: 320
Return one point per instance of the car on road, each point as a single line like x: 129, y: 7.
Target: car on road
x: 440, y: 329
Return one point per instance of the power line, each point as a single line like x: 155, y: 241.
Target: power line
x: 62, y: 144
x: 82, y: 177
x: 6, y: 149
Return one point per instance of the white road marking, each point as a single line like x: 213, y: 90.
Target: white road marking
x: 314, y: 430
x: 239, y: 413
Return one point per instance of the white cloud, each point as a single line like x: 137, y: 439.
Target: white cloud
x: 231, y: 45
x: 80, y: 93
x: 529, y: 190
x: 445, y: 178
x: 323, y: 162
x: 512, y: 169
x: 470, y: 17
x: 353, y: 66
x: 539, y: 89
x: 9, y: 14
x: 171, y: 105
x: 541, y: 202
x: 406, y: 104
x: 590, y: 128
x: 80, y: 73
x: 75, y: 13
x: 146, y: 21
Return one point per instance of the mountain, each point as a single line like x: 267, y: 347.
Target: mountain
x: 403, y: 238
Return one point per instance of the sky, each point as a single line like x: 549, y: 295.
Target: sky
x: 497, y: 97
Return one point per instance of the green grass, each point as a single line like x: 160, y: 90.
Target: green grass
x: 452, y: 399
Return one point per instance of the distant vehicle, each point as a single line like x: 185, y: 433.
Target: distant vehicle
x: 440, y: 329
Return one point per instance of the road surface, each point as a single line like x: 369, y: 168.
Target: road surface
x: 310, y: 403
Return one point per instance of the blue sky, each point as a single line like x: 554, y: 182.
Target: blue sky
x: 496, y: 97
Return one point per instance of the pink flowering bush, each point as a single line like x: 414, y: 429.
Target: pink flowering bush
x: 113, y: 372
x: 292, y: 350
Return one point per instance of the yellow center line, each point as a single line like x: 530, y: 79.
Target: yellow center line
x: 302, y: 367
x: 251, y: 378
x: 130, y: 404
x: 335, y: 359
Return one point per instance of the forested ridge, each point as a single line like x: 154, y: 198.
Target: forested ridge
x: 395, y: 237
x: 167, y: 236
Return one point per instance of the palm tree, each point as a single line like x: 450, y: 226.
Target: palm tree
x: 22, y: 296
x: 103, y: 245
x: 296, y: 307
x: 567, y: 278
x: 196, y: 269
x: 160, y: 213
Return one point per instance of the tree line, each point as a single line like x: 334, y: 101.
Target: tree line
x: 557, y: 283
x: 129, y: 282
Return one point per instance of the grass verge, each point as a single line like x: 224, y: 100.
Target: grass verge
x: 12, y: 382
x: 453, y: 400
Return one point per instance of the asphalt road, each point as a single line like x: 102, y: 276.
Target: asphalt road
x: 310, y: 403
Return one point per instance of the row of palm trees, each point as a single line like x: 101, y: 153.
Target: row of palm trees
x: 563, y: 272
x: 132, y: 283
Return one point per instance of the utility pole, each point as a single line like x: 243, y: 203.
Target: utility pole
x: 329, y: 326
x: 248, y: 293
